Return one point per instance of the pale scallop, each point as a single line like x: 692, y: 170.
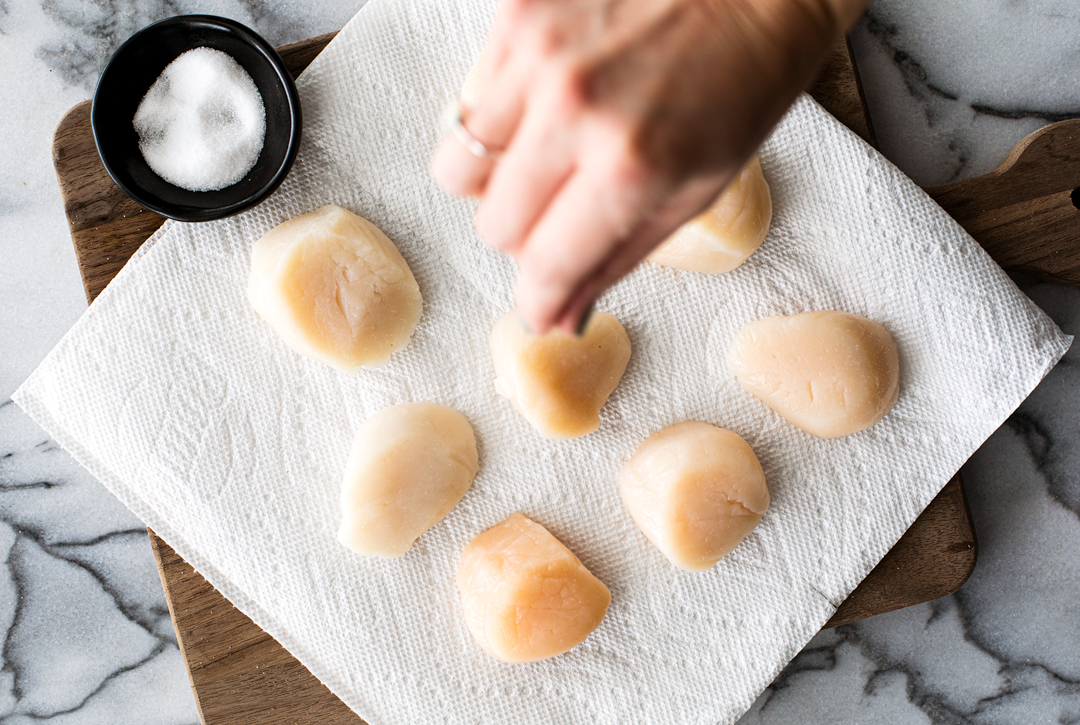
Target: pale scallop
x: 557, y: 381
x: 725, y: 235
x: 334, y: 288
x: 526, y: 597
x: 696, y: 491
x: 410, y: 464
x: 829, y: 373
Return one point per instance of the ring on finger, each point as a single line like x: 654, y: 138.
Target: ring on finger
x: 454, y: 122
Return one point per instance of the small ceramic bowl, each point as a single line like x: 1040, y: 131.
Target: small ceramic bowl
x: 133, y: 69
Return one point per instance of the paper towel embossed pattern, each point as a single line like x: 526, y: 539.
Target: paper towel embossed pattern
x: 232, y: 448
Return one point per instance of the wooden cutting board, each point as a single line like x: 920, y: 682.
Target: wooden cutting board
x: 240, y: 675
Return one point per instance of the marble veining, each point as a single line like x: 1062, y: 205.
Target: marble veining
x: 86, y: 635
x: 90, y: 32
x: 951, y: 88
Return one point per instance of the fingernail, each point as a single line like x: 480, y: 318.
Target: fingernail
x: 583, y: 322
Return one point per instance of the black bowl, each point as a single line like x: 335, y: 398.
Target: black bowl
x: 133, y: 69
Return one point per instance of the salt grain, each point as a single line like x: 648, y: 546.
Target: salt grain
x: 201, y: 125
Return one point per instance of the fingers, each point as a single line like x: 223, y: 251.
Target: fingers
x: 502, y: 76
x: 537, y: 163
x: 593, y: 213
x: 690, y: 201
x: 493, y: 123
x: 500, y: 41
x: 525, y: 38
x: 494, y: 92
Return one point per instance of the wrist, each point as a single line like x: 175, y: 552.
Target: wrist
x: 771, y: 51
x: 828, y: 20
x: 842, y: 13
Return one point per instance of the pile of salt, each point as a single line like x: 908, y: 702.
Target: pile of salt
x: 201, y: 124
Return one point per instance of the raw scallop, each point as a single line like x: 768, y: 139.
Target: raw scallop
x: 526, y: 596
x: 334, y: 288
x: 725, y: 235
x: 696, y: 491
x: 559, y: 382
x: 829, y: 373
x: 410, y: 464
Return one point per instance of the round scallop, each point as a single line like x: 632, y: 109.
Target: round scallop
x: 559, y: 382
x: 695, y: 491
x: 410, y: 464
x: 526, y: 597
x: 334, y: 288
x: 829, y: 373
x: 725, y: 235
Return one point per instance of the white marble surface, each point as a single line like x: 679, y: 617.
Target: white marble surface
x: 952, y: 86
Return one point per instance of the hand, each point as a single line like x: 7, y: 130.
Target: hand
x: 619, y: 121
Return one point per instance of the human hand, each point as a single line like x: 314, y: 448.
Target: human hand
x: 620, y: 120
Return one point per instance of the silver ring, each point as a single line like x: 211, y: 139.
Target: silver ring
x: 454, y: 122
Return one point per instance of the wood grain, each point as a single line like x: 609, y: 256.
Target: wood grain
x: 240, y: 674
x: 839, y: 91
x: 1024, y: 212
x: 932, y: 559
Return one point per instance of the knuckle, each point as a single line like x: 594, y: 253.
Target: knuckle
x: 563, y: 87
x: 631, y: 166
x: 547, y: 37
x: 630, y: 183
x: 515, y: 9
x: 571, y: 83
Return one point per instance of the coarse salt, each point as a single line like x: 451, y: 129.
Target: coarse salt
x: 202, y: 123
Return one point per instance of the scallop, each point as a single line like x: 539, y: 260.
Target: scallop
x: 829, y: 373
x: 559, y: 382
x: 695, y: 491
x: 410, y: 464
x: 526, y: 597
x: 334, y: 288
x: 725, y: 235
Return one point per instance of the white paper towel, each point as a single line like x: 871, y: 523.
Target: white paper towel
x: 183, y: 402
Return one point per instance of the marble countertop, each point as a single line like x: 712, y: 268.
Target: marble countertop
x: 951, y: 88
